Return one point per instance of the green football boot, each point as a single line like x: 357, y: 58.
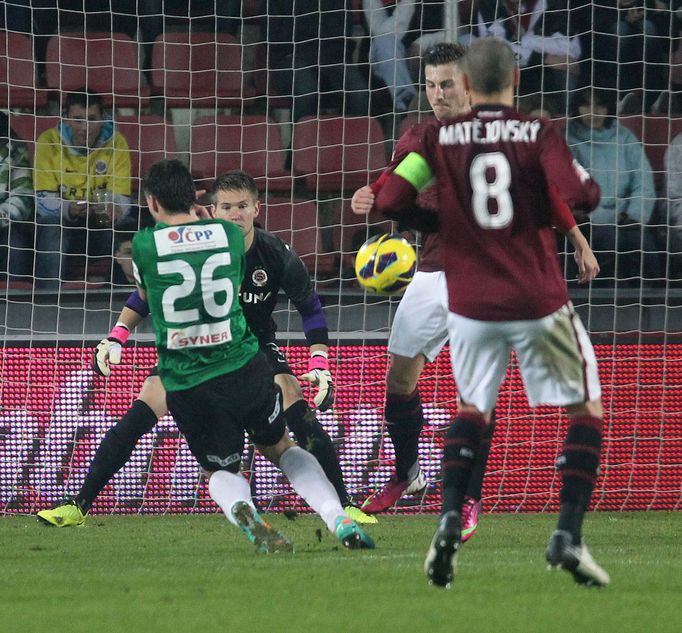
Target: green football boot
x: 67, y: 514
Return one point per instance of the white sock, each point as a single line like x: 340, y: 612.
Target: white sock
x: 308, y: 480
x: 226, y: 489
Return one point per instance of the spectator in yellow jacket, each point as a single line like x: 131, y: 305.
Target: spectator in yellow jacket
x: 82, y: 180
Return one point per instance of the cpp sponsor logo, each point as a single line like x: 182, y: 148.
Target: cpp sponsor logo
x: 190, y: 235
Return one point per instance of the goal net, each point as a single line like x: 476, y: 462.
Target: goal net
x: 215, y: 88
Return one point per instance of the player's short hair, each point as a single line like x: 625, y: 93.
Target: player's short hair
x: 170, y: 182
x: 235, y: 180
x: 489, y: 64
x: 443, y: 53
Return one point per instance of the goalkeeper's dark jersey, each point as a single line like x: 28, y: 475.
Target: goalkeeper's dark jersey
x: 191, y: 273
x: 271, y: 266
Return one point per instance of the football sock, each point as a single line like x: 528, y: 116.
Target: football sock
x: 311, y: 436
x: 404, y: 421
x: 461, y: 445
x: 475, y: 488
x: 115, y: 450
x: 308, y: 479
x: 579, y: 465
x: 226, y: 489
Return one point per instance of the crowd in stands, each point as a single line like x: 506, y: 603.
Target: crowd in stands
x: 68, y: 203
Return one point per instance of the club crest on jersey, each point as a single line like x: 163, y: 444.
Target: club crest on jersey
x: 189, y: 237
x: 259, y: 277
x: 101, y: 167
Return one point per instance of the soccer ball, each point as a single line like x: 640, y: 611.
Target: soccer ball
x: 385, y: 264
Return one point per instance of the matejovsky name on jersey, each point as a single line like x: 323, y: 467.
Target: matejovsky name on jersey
x: 191, y: 274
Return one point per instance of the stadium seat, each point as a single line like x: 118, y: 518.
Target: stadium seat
x: 18, y: 85
x: 150, y: 139
x: 252, y: 143
x: 338, y: 153
x: 28, y: 127
x: 107, y: 63
x: 296, y: 222
x: 199, y: 69
x: 656, y: 132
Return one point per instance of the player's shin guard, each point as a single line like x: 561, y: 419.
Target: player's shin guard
x: 404, y: 421
x: 311, y: 436
x: 475, y: 487
x: 461, y: 446
x: 308, y: 479
x: 115, y: 450
x: 579, y: 466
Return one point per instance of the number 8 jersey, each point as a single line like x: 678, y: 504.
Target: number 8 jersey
x: 191, y: 275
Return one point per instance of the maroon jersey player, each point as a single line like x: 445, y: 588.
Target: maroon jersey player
x: 497, y: 174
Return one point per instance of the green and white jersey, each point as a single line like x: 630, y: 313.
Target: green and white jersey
x: 191, y: 274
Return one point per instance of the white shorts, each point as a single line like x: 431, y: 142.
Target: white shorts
x: 555, y: 356
x: 420, y: 325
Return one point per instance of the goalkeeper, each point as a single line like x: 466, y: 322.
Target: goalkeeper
x: 271, y: 265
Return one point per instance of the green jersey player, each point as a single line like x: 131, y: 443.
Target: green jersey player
x: 217, y: 381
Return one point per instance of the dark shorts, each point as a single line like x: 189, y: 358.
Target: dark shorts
x: 272, y: 351
x: 276, y: 358
x: 214, y: 415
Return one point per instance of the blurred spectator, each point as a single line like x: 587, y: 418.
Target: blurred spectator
x: 538, y: 32
x: 616, y: 160
x: 82, y: 180
x: 122, y: 271
x: 673, y: 180
x: 633, y: 44
x: 309, y: 55
x: 16, y: 203
x: 400, y: 31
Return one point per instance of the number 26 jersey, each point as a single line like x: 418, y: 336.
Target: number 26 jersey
x: 191, y: 275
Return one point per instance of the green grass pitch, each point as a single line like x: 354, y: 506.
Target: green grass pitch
x: 197, y: 573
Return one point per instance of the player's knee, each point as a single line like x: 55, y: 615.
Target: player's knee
x: 153, y: 395
x: 291, y: 389
x: 470, y: 409
x: 592, y: 408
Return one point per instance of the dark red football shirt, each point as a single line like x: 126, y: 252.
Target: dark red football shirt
x: 494, y: 169
x: 412, y: 141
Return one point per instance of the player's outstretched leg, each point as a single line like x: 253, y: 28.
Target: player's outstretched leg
x: 308, y: 480
x: 232, y: 493
x: 578, y: 463
x: 404, y: 421
x: 112, y: 454
x: 311, y: 436
x: 441, y: 559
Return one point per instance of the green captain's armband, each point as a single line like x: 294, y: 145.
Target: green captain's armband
x: 415, y: 170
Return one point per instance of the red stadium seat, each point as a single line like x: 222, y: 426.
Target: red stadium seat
x: 338, y: 153
x: 199, y: 69
x: 656, y: 133
x: 150, y: 139
x: 252, y: 143
x: 18, y: 85
x: 28, y: 127
x: 107, y: 63
x: 295, y: 222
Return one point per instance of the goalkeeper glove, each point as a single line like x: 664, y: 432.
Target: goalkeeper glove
x: 108, y: 352
x: 318, y: 375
